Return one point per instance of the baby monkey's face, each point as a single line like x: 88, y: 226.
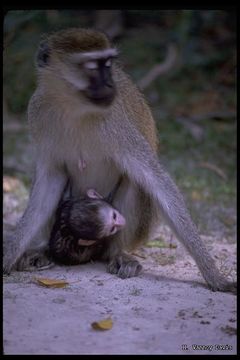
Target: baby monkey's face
x: 111, y: 219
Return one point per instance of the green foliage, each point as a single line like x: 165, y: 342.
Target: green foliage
x: 179, y: 150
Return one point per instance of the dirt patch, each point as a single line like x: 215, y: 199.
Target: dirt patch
x: 166, y: 310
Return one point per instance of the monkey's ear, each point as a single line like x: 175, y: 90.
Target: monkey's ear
x: 91, y: 193
x: 43, y: 54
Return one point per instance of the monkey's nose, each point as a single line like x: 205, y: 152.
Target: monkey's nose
x: 120, y: 221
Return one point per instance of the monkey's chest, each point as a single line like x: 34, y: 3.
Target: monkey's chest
x: 91, y: 170
x: 87, y: 160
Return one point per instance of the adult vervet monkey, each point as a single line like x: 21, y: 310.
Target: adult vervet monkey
x: 85, y: 107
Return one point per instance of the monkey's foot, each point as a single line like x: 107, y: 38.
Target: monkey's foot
x: 9, y: 256
x: 217, y: 282
x: 124, y: 266
x: 224, y: 286
x: 34, y: 261
x: 8, y: 265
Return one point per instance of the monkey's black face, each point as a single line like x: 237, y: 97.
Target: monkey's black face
x: 89, y: 72
x: 101, y: 89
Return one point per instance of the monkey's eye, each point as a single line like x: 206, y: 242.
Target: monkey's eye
x: 108, y: 63
x: 91, y: 65
x: 114, y: 216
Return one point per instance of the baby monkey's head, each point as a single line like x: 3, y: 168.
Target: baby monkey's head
x: 94, y: 218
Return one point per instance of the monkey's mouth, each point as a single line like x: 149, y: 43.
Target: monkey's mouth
x: 100, y: 98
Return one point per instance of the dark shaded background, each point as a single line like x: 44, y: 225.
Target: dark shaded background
x: 192, y: 95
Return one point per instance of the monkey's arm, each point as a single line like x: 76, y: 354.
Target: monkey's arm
x: 45, y: 195
x: 142, y: 166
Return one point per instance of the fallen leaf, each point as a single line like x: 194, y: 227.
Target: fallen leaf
x: 228, y: 221
x: 196, y: 195
x: 103, y: 324
x: 157, y: 243
x: 9, y: 183
x: 54, y: 283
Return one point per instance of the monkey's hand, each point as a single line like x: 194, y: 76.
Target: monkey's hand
x: 34, y: 260
x: 124, y: 266
x: 30, y: 261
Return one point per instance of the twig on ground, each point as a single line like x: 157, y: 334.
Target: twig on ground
x: 159, y: 69
x: 214, y: 168
x: 195, y: 130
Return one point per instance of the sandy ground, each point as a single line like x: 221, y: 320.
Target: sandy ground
x: 166, y: 310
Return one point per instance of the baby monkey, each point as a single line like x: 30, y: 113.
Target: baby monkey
x: 82, y: 227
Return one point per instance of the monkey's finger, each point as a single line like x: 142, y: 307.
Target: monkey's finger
x: 129, y: 269
x: 33, y: 262
x: 124, y: 266
x: 113, y: 267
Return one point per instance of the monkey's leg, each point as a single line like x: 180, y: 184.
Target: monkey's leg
x: 144, y: 169
x: 137, y: 209
x: 44, y: 197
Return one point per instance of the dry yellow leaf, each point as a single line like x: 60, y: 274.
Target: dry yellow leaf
x: 103, y: 324
x: 196, y: 195
x: 54, y: 283
x: 9, y: 183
